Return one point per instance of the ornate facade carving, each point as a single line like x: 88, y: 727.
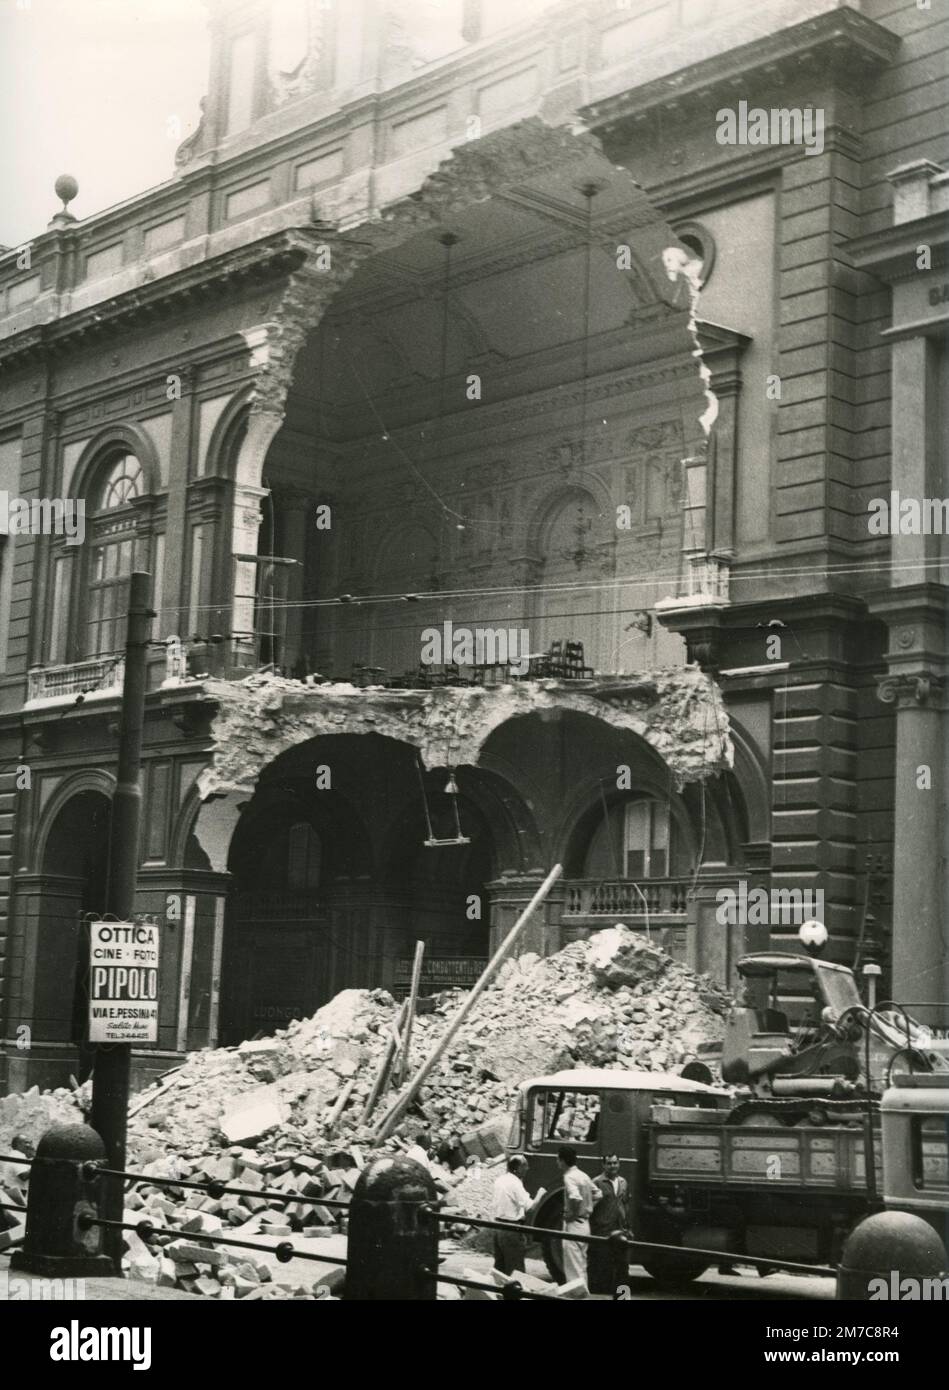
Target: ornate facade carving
x: 906, y: 688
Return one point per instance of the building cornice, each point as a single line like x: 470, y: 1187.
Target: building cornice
x: 260, y: 261
x: 849, y: 43
x: 891, y: 253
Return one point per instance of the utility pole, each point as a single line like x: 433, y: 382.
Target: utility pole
x: 110, y: 1076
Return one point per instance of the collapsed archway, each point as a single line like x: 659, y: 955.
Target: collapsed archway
x: 410, y: 370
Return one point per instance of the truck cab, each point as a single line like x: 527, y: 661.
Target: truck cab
x: 914, y: 1116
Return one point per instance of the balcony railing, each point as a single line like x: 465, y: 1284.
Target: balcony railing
x: 657, y: 897
x: 101, y: 674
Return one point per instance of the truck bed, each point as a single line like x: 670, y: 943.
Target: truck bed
x: 828, y: 1157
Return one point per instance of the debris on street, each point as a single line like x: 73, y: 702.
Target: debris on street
x: 287, y: 1114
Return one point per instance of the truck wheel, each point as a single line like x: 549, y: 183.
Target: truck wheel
x: 674, y: 1271
x: 550, y: 1213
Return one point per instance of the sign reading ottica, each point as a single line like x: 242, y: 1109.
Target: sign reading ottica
x: 123, y: 982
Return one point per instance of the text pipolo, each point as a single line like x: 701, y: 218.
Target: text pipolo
x: 123, y: 982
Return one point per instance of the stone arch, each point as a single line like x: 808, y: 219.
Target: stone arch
x: 89, y: 780
x: 752, y: 777
x: 127, y: 435
x: 225, y: 446
x: 327, y: 259
x: 70, y: 883
x: 547, y: 510
x: 583, y: 812
x: 573, y: 515
x: 332, y: 816
x: 427, y: 721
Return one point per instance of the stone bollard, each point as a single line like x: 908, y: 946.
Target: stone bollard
x: 60, y: 1192
x: 392, y: 1253
x: 887, y: 1253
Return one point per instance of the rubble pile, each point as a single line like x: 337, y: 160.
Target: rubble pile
x: 286, y: 1113
x: 29, y: 1114
x: 613, y: 1000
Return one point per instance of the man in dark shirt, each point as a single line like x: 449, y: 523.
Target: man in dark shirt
x: 451, y: 1152
x: 606, y: 1268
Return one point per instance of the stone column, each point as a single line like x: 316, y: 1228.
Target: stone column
x: 245, y: 526
x: 294, y: 507
x: 173, y: 618
x: 508, y: 896
x: 916, y: 687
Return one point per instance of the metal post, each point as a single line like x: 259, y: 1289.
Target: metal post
x: 393, y: 1234
x: 110, y: 1077
x: 62, y: 1188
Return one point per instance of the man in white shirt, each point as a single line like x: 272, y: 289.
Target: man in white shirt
x: 419, y: 1151
x: 511, y: 1203
x: 579, y: 1195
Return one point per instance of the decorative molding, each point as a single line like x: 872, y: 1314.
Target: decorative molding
x: 905, y: 688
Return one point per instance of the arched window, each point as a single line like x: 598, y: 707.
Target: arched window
x: 640, y: 839
x: 113, y: 553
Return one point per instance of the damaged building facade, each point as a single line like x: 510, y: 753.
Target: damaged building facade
x: 500, y: 440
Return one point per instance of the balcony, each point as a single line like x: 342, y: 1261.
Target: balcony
x: 102, y: 677
x: 661, y: 901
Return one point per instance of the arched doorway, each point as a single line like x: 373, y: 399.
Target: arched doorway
x: 73, y: 869
x: 275, y: 940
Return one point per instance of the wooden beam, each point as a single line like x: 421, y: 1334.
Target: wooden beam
x: 398, y: 1108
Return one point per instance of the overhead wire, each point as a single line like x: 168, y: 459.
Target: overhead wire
x: 591, y: 586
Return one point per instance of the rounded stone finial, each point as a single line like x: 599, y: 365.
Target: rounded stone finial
x: 66, y: 188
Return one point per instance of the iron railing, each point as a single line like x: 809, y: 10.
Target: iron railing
x: 76, y: 678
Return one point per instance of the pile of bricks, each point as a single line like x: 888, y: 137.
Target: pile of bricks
x: 191, y: 1260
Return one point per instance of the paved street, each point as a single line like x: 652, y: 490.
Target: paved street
x: 460, y: 1263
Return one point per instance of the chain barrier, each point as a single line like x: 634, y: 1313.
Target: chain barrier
x: 90, y: 1172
